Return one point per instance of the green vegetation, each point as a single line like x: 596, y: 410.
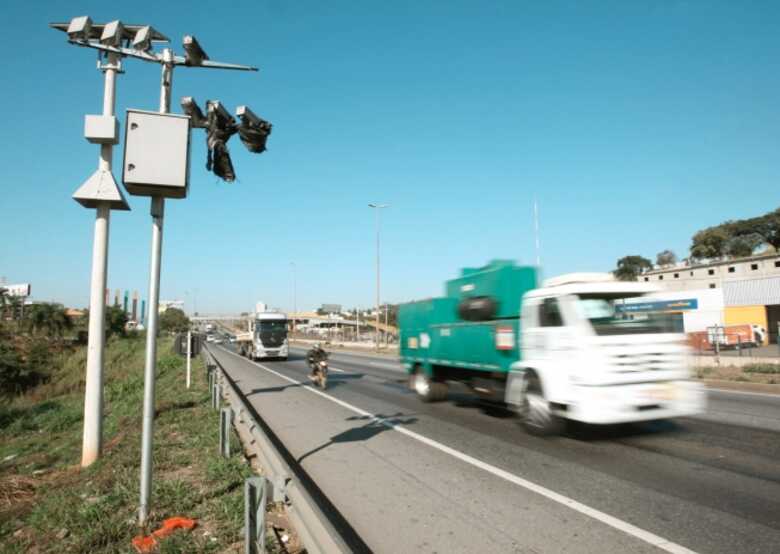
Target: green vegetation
x: 737, y: 238
x: 731, y: 239
x: 629, y: 267
x: 762, y: 368
x: 174, y: 320
x: 49, y: 504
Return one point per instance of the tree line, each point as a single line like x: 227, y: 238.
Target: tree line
x: 730, y: 239
x: 32, y: 340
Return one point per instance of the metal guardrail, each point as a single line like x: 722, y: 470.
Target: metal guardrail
x: 313, y: 526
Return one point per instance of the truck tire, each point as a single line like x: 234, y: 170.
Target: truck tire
x: 426, y: 388
x: 535, y: 414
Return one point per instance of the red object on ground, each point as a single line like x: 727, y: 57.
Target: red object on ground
x: 146, y: 544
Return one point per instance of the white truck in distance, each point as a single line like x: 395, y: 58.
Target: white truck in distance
x: 265, y: 338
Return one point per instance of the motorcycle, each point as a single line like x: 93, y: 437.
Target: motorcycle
x: 319, y: 372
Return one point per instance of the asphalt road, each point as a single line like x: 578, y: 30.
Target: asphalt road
x: 457, y: 477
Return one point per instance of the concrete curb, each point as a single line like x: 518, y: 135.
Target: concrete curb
x: 741, y: 387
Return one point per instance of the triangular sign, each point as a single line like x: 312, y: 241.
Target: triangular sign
x: 101, y: 188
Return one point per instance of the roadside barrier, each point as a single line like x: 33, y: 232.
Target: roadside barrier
x: 255, y: 500
x: 279, y: 481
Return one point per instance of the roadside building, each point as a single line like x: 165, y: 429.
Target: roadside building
x: 749, y: 289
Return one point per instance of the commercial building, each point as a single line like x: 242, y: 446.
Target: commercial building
x: 748, y: 289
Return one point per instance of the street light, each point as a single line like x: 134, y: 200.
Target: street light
x: 114, y: 41
x: 377, y: 207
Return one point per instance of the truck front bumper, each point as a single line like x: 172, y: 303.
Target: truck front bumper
x: 636, y: 402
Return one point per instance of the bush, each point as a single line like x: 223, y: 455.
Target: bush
x: 11, y: 370
x: 762, y: 368
x: 175, y: 320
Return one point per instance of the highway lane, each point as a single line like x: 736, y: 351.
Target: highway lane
x: 707, y: 485
x: 748, y: 409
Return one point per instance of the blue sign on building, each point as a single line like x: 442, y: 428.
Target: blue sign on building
x: 659, y: 306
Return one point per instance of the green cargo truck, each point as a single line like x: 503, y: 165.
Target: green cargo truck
x: 581, y: 347
x: 469, y: 335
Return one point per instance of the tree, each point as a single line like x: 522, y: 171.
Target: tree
x: 769, y: 227
x: 666, y: 258
x: 11, y: 370
x: 709, y: 243
x: 48, y: 318
x: 740, y: 246
x: 116, y: 320
x: 175, y: 320
x: 629, y: 267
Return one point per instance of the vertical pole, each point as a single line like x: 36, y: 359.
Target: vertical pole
x: 96, y: 342
x: 377, y: 278
x: 158, y: 213
x: 295, y: 299
x: 536, y: 233
x: 93, y: 394
x: 189, y: 354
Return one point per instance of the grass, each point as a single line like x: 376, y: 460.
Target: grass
x: 762, y: 368
x: 765, y: 373
x: 49, y: 504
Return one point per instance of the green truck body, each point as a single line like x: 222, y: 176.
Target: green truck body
x: 435, y: 339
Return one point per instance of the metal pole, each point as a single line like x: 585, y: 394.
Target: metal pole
x: 158, y: 213
x: 377, y: 278
x: 295, y: 298
x: 96, y: 342
x: 189, y: 353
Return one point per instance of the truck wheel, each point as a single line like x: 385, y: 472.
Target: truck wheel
x: 426, y: 388
x: 535, y: 414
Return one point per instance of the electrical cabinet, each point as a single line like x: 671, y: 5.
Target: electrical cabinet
x: 157, y: 154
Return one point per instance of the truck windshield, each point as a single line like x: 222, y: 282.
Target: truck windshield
x: 271, y: 326
x: 608, y: 315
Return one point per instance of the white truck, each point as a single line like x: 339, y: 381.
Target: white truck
x: 567, y: 350
x: 265, y: 338
x: 586, y: 359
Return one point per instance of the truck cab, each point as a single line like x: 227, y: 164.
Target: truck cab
x: 266, y: 338
x: 586, y: 356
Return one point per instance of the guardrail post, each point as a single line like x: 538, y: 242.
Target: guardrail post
x: 216, y: 396
x: 210, y: 375
x: 225, y: 419
x: 255, y: 499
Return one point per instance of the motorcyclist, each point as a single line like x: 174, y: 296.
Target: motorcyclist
x: 314, y: 357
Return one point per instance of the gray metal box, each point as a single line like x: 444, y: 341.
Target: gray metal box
x: 157, y: 154
x: 101, y: 129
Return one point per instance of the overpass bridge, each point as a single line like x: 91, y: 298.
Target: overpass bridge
x: 303, y: 320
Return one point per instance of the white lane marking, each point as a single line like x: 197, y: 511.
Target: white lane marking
x: 619, y: 524
x: 769, y: 394
x: 337, y: 369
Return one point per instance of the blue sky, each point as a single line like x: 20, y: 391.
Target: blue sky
x: 633, y: 123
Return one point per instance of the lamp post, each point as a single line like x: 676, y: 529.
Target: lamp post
x: 376, y: 208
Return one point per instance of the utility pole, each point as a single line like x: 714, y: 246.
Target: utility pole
x: 295, y: 298
x: 377, y: 207
x: 101, y: 192
x: 536, y: 234
x: 150, y: 365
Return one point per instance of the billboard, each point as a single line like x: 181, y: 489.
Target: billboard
x: 22, y: 290
x: 659, y: 306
